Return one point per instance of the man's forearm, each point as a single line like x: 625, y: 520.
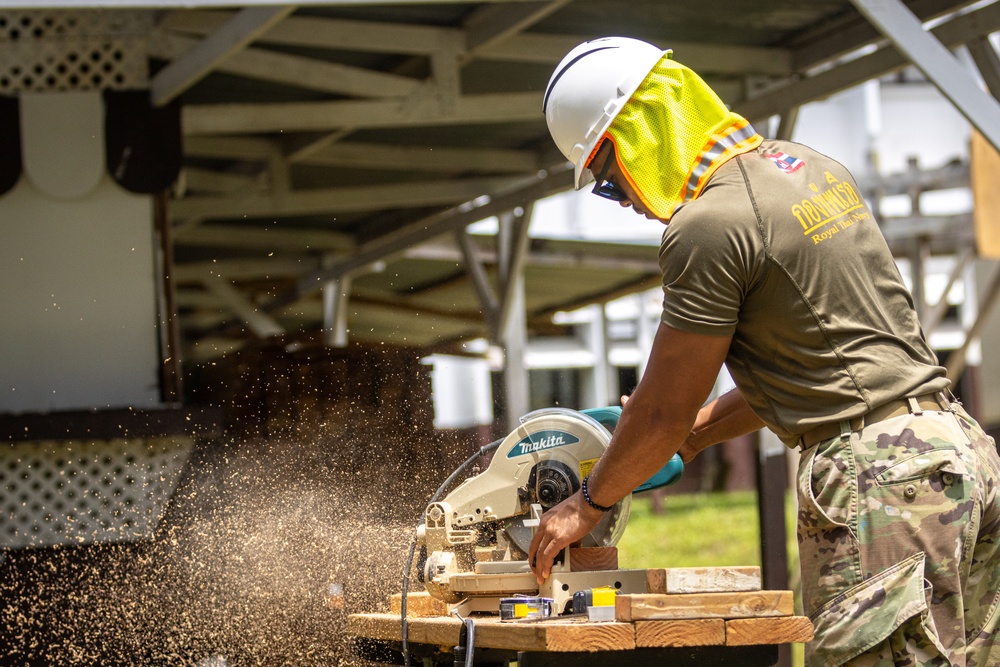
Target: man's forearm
x: 727, y: 417
x: 660, y: 413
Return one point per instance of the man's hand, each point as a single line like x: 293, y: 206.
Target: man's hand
x: 561, y: 526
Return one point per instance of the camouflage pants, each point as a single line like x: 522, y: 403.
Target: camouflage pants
x: 899, y: 543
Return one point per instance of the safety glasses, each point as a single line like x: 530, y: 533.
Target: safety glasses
x: 605, y: 188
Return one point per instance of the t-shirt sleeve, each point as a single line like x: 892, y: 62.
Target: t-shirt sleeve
x: 707, y: 257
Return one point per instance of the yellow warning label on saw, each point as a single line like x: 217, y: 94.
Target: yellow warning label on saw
x: 587, y: 466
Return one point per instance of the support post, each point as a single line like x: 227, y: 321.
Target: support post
x: 957, y: 360
x: 336, y: 297
x: 596, y: 388
x: 772, y: 477
x: 515, y: 341
x: 511, y: 318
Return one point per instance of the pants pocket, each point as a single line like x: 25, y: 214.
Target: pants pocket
x: 829, y: 551
x: 865, y: 617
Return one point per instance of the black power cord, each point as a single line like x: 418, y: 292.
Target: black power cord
x: 485, y: 449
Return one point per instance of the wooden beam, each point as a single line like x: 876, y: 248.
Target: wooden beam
x: 252, y: 118
x: 836, y: 38
x: 235, y: 148
x: 232, y: 36
x: 884, y: 61
x: 493, y: 24
x: 290, y: 70
x: 512, y: 243
x: 341, y: 200
x: 938, y: 64
x: 341, y: 34
x: 480, y: 279
x: 987, y: 62
x: 219, y: 182
x: 934, y: 314
x: 259, y: 322
x: 547, y: 49
x: 422, y: 158
x: 273, y: 238
x: 438, y: 224
x: 991, y: 296
x: 243, y: 269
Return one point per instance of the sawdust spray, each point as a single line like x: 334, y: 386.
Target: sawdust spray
x: 247, y: 567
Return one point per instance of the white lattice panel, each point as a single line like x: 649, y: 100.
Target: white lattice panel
x: 73, y: 50
x: 78, y: 492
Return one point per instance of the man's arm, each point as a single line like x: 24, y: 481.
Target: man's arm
x: 655, y: 422
x: 727, y: 417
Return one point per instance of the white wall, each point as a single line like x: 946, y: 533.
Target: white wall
x: 461, y: 390
x: 77, y: 300
x: 839, y: 127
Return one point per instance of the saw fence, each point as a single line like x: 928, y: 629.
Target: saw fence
x: 690, y: 616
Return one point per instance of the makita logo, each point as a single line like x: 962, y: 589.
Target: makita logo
x: 540, y: 441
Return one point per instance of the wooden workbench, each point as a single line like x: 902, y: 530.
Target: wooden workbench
x: 719, y: 628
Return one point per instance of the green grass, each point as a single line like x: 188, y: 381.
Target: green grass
x: 692, y: 530
x: 703, y: 530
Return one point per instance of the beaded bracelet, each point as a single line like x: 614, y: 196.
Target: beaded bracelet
x: 586, y: 496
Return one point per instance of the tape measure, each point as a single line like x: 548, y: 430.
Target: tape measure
x: 525, y: 607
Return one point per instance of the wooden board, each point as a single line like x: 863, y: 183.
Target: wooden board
x: 985, y: 165
x: 555, y: 635
x: 702, y: 579
x: 593, y: 558
x: 689, y: 632
x: 652, y: 606
x: 755, y: 631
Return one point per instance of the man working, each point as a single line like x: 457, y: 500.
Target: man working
x: 773, y: 264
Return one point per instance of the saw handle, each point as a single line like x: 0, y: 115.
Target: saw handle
x: 667, y: 475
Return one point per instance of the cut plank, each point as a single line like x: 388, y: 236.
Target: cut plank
x: 555, y: 635
x: 652, y: 606
x: 702, y: 579
x: 687, y: 632
x: 593, y: 558
x: 781, y: 630
x: 418, y: 604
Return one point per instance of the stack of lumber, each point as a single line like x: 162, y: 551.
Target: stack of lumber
x: 682, y: 607
x: 711, y: 606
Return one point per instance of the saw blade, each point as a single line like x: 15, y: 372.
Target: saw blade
x: 562, y: 446
x: 605, y: 534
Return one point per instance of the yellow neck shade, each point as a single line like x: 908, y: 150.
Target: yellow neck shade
x: 672, y: 135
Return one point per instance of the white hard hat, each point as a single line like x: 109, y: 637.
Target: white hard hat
x: 589, y: 88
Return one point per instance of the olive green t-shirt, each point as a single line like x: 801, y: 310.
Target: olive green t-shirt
x: 781, y: 252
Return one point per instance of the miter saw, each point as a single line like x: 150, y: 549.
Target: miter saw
x: 474, y: 542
